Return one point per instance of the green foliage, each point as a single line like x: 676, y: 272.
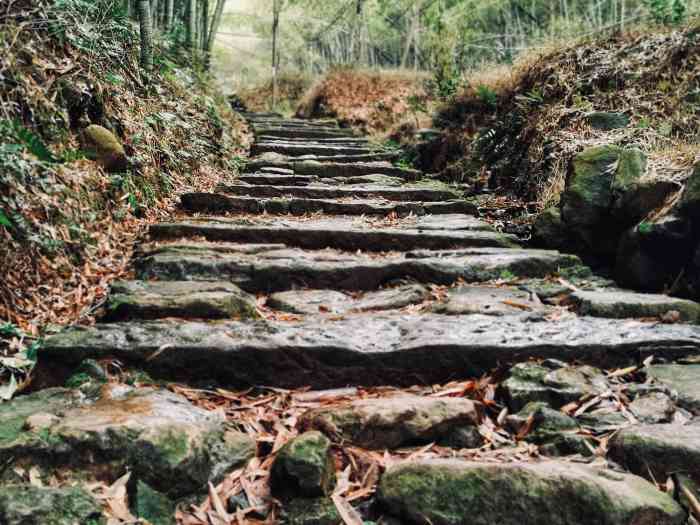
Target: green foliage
x: 644, y: 228
x: 487, y: 95
x: 668, y: 12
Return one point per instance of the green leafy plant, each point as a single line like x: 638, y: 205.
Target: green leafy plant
x: 487, y: 95
x: 668, y: 12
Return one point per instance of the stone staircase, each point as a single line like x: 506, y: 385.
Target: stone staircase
x: 327, y: 266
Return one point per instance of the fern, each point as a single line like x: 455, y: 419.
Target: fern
x: 5, y: 220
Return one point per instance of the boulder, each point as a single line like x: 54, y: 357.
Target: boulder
x: 651, y: 255
x: 30, y: 505
x: 455, y: 492
x: 683, y: 381
x: 191, y: 300
x: 607, y: 120
x: 394, y: 422
x: 655, y: 407
x: 599, y: 177
x: 106, y: 148
x: 164, y: 441
x: 303, y: 467
x: 316, y: 511
x: 659, y: 450
x: 690, y: 201
x: 549, y: 231
x: 551, y: 382
x: 555, y: 432
x: 620, y: 304
x: 641, y: 198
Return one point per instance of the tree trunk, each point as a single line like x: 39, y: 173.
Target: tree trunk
x: 275, y: 62
x: 169, y: 14
x: 146, y: 26
x: 216, y: 22
x: 191, y: 24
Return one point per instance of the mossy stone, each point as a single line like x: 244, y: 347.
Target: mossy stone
x: 106, y: 148
x: 454, y: 492
x: 549, y: 231
x: 318, y: 511
x: 153, y: 506
x: 30, y: 505
x: 304, y: 467
x: 607, y: 120
x: 690, y: 201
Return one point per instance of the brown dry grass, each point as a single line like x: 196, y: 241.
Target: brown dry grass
x: 370, y: 100
x: 291, y: 90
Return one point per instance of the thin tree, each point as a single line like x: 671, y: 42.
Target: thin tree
x: 191, y: 24
x: 276, y: 7
x: 146, y: 27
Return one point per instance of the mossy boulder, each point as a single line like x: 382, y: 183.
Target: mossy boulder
x: 683, y: 381
x: 549, y: 231
x: 551, y: 382
x: 607, y: 120
x: 29, y: 505
x: 317, y: 511
x: 166, y: 442
x: 186, y: 299
x: 599, y: 177
x: 659, y: 450
x: 303, y: 467
x: 105, y: 147
x: 455, y: 492
x: 394, y: 422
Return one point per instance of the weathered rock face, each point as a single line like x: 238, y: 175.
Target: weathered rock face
x: 308, y: 302
x: 189, y: 300
x: 373, y: 349
x: 606, y: 121
x: 683, y: 381
x: 690, y: 201
x: 394, y: 422
x: 651, y: 255
x: 485, y: 300
x: 29, y: 505
x: 549, y: 231
x: 600, y: 177
x: 551, y: 382
x: 168, y: 444
x: 304, y: 467
x: 106, y: 148
x: 446, y: 492
x: 621, y: 304
x: 659, y: 450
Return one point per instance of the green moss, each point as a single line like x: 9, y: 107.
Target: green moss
x: 153, y: 506
x: 78, y: 380
x: 10, y: 429
x: 173, y: 446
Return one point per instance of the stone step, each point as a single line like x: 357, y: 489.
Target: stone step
x: 283, y: 180
x: 295, y: 123
x: 287, y: 269
x: 298, y: 150
x: 364, y: 349
x: 308, y: 133
x: 343, y: 233
x: 386, y: 156
x: 341, y: 141
x: 213, y: 203
x: 412, y: 193
x: 335, y: 169
x: 189, y: 300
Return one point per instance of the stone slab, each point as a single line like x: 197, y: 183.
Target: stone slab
x: 335, y: 169
x: 288, y: 269
x: 363, y: 349
x: 341, y: 233
x: 683, y: 381
x: 623, y: 303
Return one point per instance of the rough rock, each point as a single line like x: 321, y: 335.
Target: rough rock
x: 342, y: 233
x: 659, y: 450
x: 654, y: 407
x: 106, y: 148
x: 190, y: 300
x: 303, y: 467
x: 336, y: 169
x: 556, y: 433
x: 30, y: 505
x: 607, y: 121
x: 620, y: 304
x: 651, y: 255
x: 316, y: 511
x: 551, y: 382
x: 375, y: 349
x: 549, y: 231
x: 493, y: 300
x: 214, y: 202
x: 454, y: 492
x: 641, y: 198
x: 406, y: 193
x: 683, y: 381
x: 167, y: 443
x: 281, y: 270
x: 690, y: 201
x: 307, y: 302
x: 393, y: 422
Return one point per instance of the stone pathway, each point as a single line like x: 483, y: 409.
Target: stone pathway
x: 326, y: 266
